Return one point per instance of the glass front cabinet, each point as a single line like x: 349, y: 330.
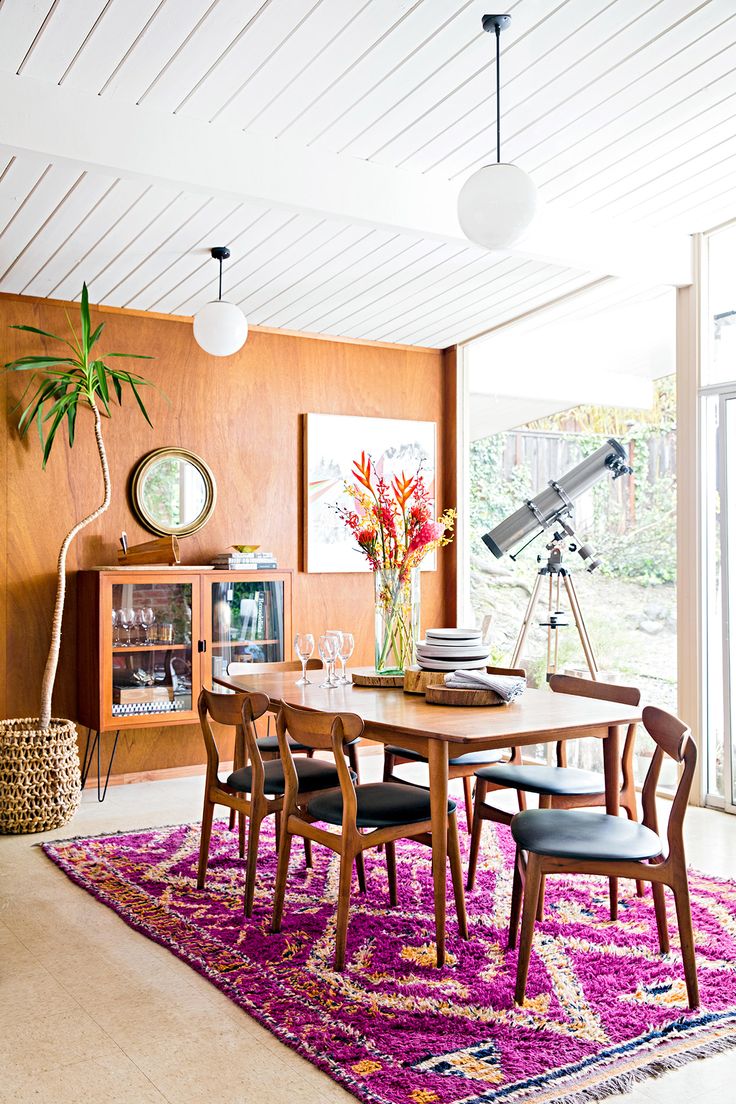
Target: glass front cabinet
x: 150, y: 639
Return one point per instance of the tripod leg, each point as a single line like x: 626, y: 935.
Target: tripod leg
x: 526, y: 623
x: 557, y: 629
x: 580, y: 624
x: 550, y: 631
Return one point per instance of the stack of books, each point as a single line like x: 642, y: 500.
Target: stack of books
x: 245, y: 561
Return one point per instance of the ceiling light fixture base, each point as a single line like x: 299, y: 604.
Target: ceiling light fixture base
x: 220, y: 253
x: 496, y: 23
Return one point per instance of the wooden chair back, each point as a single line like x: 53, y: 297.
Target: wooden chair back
x: 588, y: 688
x: 321, y: 732
x: 313, y: 728
x: 519, y: 672
x: 673, y: 738
x: 239, y: 668
x: 603, y: 691
x: 239, y: 711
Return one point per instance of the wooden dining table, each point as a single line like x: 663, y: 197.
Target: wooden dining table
x: 441, y: 732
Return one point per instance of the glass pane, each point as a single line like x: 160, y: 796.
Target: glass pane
x: 719, y: 362
x: 629, y: 602
x: 730, y: 482
x: 713, y: 704
x: 247, y: 623
x: 152, y: 648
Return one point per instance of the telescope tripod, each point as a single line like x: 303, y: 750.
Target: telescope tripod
x: 558, y: 576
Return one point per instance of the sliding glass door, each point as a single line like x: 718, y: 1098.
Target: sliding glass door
x: 728, y: 550
x: 718, y: 436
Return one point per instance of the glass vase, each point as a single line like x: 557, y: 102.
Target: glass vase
x: 397, y: 619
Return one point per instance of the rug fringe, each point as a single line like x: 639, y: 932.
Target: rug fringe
x: 124, y: 832
x: 626, y: 1082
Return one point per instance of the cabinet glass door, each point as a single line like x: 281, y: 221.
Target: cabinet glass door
x: 151, y: 648
x: 247, y: 623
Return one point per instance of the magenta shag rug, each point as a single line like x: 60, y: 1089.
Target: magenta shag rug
x: 604, y: 1009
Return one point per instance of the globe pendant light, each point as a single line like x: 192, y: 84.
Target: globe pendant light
x: 496, y: 203
x: 220, y: 328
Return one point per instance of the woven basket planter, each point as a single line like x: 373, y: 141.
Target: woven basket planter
x: 40, y: 785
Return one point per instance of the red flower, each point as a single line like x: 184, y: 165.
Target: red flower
x: 362, y: 471
x: 430, y: 531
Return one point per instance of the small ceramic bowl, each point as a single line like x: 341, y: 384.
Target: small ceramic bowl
x: 245, y: 547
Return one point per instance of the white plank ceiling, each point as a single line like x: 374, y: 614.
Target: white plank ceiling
x: 617, y: 107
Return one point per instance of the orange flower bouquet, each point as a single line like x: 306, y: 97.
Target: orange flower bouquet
x: 394, y: 528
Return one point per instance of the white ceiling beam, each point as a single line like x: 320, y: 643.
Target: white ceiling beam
x: 100, y: 133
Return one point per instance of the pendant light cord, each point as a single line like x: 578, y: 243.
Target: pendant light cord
x: 219, y: 293
x: 498, y: 93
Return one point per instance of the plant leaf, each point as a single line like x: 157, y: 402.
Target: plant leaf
x: 133, y: 356
x: 140, y: 402
x: 51, y: 437
x: 71, y: 421
x: 100, y: 372
x: 74, y: 343
x: 35, y: 408
x: 60, y: 406
x: 43, y: 333
x: 84, y: 316
x: 71, y: 417
x: 24, y: 363
x: 117, y: 387
x: 96, y: 334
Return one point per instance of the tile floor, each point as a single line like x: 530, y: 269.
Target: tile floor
x: 91, y: 1010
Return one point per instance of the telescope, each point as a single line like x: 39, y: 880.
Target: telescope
x: 556, y: 501
x: 550, y: 509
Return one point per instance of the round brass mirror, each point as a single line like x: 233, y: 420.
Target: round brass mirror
x: 172, y: 492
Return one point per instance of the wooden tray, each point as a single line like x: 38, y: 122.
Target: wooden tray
x: 444, y: 695
x: 416, y: 680
x: 367, y: 676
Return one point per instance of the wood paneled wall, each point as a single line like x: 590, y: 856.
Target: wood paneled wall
x: 243, y: 414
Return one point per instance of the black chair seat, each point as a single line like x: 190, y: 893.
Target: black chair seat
x: 380, y: 805
x: 544, y: 780
x: 270, y: 744
x: 313, y: 774
x: 469, y: 758
x: 571, y: 834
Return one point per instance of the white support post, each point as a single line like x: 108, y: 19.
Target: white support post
x: 690, y: 658
x: 462, y: 434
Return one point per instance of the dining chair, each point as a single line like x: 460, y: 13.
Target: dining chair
x: 561, y: 841
x: 367, y: 815
x: 268, y: 744
x: 461, y: 766
x: 254, y: 791
x: 558, y: 787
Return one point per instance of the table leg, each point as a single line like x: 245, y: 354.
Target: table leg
x: 612, y: 771
x: 438, y: 771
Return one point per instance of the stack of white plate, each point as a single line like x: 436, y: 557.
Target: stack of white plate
x: 452, y: 650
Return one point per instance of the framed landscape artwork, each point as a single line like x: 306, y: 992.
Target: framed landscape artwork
x: 332, y: 442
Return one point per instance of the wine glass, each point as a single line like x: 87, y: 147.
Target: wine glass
x: 140, y: 627
x: 346, y: 649
x: 304, y: 647
x: 337, y: 637
x: 146, y: 617
x: 328, y: 652
x: 115, y: 628
x: 119, y: 618
x: 126, y: 616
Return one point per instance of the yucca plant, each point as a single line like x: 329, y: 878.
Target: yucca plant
x: 62, y: 385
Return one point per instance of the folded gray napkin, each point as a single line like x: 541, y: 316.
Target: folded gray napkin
x: 508, y: 687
